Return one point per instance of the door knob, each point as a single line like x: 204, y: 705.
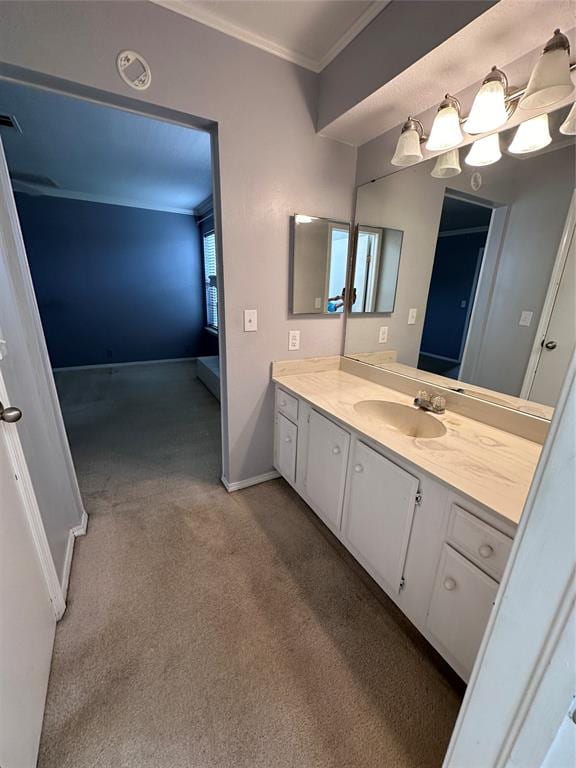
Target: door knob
x: 551, y: 345
x: 10, y: 415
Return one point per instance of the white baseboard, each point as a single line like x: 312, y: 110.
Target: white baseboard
x: 124, y: 365
x: 230, y: 487
x: 73, y: 533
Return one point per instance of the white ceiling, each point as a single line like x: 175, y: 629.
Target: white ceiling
x: 501, y: 35
x: 307, y: 32
x: 98, y: 153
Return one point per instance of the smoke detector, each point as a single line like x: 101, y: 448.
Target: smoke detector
x: 134, y: 70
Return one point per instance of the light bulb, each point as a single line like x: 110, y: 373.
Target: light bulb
x: 408, y: 151
x: 446, y: 133
x: 447, y: 165
x: 484, y: 151
x: 531, y: 135
x: 489, y: 107
x: 550, y: 80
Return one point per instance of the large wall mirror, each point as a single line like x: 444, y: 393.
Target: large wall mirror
x: 319, y: 262
x: 485, y: 275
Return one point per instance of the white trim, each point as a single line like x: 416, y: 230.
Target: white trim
x: 204, y: 16
x: 469, y: 231
x: 568, y: 233
x: 124, y: 365
x: 230, y: 487
x: 73, y: 533
x: 33, y: 515
x: 90, y: 197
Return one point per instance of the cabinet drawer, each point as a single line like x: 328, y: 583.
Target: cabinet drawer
x: 287, y: 404
x: 285, y: 440
x: 461, y: 604
x: 478, y: 541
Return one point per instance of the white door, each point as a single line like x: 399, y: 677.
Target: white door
x: 378, y: 514
x: 326, y: 468
x: 27, y: 375
x: 27, y: 617
x: 560, y: 339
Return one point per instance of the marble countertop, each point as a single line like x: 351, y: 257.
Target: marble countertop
x: 493, y: 467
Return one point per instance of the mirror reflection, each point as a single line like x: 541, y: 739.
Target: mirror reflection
x: 485, y: 291
x: 376, y: 261
x: 319, y: 261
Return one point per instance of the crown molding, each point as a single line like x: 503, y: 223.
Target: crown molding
x: 38, y: 190
x: 203, y: 16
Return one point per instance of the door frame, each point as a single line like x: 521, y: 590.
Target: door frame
x: 136, y: 106
x: 568, y: 236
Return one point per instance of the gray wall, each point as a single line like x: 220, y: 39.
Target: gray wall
x: 400, y: 35
x: 537, y: 191
x: 271, y: 164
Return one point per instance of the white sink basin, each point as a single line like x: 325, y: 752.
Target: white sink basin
x: 410, y: 421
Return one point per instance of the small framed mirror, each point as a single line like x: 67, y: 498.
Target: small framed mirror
x: 318, y: 265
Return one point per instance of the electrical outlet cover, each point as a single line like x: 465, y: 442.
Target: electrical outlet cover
x: 293, y: 340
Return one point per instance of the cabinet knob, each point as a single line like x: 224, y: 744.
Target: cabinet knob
x: 287, y: 439
x: 283, y: 403
x: 485, y: 550
x: 336, y: 450
x: 358, y: 468
x: 449, y: 584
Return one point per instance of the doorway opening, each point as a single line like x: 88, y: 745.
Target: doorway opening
x: 460, y: 247
x: 116, y: 211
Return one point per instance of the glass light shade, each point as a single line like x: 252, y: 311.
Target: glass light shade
x: 568, y: 127
x: 447, y: 165
x: 408, y: 149
x: 484, y: 151
x: 446, y: 133
x: 531, y: 135
x: 488, y: 110
x: 549, y: 82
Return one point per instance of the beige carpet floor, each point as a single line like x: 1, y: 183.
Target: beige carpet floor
x: 215, y: 630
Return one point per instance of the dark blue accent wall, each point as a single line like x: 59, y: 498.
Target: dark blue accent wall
x: 114, y: 284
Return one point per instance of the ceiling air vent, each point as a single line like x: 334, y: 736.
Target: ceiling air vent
x: 9, y: 121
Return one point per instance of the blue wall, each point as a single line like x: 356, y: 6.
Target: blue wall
x: 114, y: 284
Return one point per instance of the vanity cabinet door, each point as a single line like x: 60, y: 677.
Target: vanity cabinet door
x: 461, y: 604
x: 327, y: 458
x: 378, y: 515
x: 285, y: 439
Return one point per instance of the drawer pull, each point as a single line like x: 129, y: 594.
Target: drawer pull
x: 287, y: 439
x: 485, y: 550
x: 358, y: 468
x: 449, y: 584
x: 336, y: 450
x: 283, y: 403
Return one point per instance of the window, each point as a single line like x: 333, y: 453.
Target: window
x: 210, y: 280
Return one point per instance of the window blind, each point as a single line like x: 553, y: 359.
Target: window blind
x: 210, y: 280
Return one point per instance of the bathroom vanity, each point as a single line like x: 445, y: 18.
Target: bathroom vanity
x: 428, y: 504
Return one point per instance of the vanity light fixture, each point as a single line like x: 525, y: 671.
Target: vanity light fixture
x: 531, y: 135
x: 568, y: 127
x: 408, y: 151
x: 484, y: 151
x: 446, y: 132
x: 550, y: 80
x: 447, y: 165
x: 489, y: 109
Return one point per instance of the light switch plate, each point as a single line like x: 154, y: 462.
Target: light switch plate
x: 412, y: 316
x: 293, y: 340
x: 250, y: 319
x: 526, y: 318
x: 383, y: 334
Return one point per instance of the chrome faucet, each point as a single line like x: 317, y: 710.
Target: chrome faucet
x: 430, y: 402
